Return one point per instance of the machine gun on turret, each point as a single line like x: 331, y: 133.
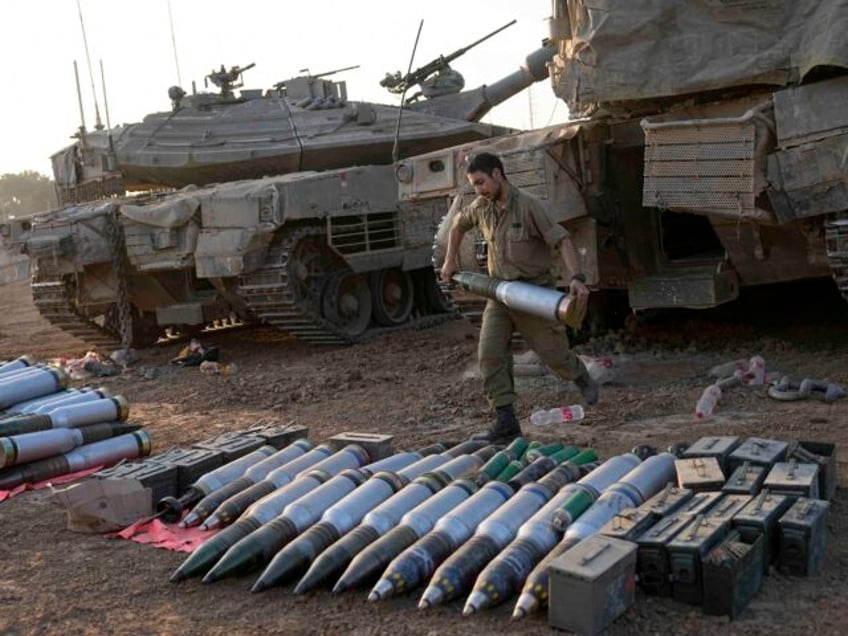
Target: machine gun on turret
x: 312, y: 89
x: 446, y: 79
x: 309, y: 76
x: 226, y: 80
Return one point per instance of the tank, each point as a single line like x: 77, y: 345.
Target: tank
x: 270, y: 206
x: 705, y: 151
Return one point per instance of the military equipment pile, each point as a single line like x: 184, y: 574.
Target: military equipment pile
x: 48, y: 430
x: 551, y: 524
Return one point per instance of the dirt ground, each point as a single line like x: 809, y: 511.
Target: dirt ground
x: 420, y: 386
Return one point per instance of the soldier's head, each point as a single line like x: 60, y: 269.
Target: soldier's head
x: 486, y: 173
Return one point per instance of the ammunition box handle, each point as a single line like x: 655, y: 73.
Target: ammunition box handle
x: 594, y: 555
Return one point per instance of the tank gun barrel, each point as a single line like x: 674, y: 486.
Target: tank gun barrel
x: 396, y: 83
x: 282, y: 83
x: 334, y: 71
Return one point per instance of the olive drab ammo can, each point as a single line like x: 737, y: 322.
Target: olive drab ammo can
x: 760, y: 516
x: 745, y: 480
x: 667, y: 501
x: 758, y: 452
x: 727, y: 506
x: 803, y: 537
x: 160, y: 478
x: 823, y: 454
x: 652, y: 563
x: 732, y: 574
x: 628, y: 524
x: 699, y: 503
x: 191, y: 463
x: 685, y: 554
x: 718, y: 447
x: 699, y: 473
x: 793, y: 479
x: 232, y: 445
x: 592, y: 584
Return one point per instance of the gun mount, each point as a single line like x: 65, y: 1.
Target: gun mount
x: 436, y: 77
x: 228, y: 80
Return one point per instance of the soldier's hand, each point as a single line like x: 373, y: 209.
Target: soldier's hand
x: 578, y: 290
x: 449, y: 268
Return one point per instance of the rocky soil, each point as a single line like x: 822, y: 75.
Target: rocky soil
x: 421, y: 387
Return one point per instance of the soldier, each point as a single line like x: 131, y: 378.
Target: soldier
x: 522, y: 233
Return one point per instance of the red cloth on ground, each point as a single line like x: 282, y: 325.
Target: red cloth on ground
x: 53, y: 481
x: 169, y: 536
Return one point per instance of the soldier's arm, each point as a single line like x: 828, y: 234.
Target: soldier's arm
x: 568, y: 254
x: 451, y: 264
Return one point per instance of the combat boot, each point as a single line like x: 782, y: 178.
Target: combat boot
x: 505, y: 429
x: 588, y: 387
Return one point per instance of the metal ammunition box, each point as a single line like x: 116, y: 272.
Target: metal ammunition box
x: 793, y: 480
x: 171, y: 455
x: 592, y: 584
x: 628, y: 524
x: 733, y: 574
x: 378, y: 446
x: 195, y: 463
x: 727, y: 506
x: 279, y: 435
x: 699, y: 503
x: 652, y: 563
x: 760, y: 516
x: 758, y: 452
x: 231, y: 444
x: 745, y: 480
x: 699, y: 473
x: 803, y: 537
x: 685, y: 552
x: 160, y: 478
x: 718, y: 447
x: 667, y: 501
x: 823, y: 454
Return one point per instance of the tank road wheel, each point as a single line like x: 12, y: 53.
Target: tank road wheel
x: 392, y: 295
x: 346, y: 302
x: 308, y: 269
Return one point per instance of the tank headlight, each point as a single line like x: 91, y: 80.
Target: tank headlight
x: 403, y: 173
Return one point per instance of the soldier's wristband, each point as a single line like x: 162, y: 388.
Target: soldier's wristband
x: 579, y: 277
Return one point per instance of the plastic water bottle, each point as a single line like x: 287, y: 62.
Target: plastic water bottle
x: 707, y: 403
x: 545, y: 417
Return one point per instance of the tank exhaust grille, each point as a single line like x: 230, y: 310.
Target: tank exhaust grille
x: 365, y: 233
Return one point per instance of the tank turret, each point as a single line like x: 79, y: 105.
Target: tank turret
x: 307, y: 122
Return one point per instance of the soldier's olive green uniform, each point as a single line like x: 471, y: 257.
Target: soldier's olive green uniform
x: 522, y: 238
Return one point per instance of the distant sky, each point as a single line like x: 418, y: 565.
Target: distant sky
x: 42, y: 38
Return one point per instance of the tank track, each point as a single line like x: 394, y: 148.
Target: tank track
x: 270, y: 295
x: 836, y: 239
x: 52, y: 299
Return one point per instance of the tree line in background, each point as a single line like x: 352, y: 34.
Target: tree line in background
x: 25, y: 193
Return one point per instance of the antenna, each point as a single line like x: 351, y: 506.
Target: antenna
x: 396, y: 146
x: 98, y: 125
x: 105, y: 99
x: 174, y: 45
x: 79, y: 98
